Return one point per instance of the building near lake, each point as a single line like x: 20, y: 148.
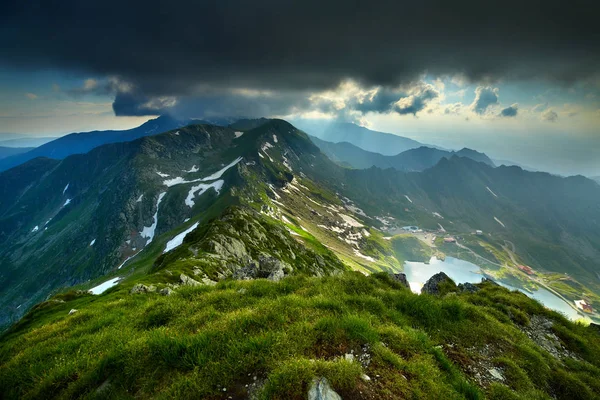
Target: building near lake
x: 583, y: 306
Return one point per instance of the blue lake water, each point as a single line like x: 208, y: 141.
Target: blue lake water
x: 417, y: 273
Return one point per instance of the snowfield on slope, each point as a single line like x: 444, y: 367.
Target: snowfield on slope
x: 148, y: 231
x: 103, y: 287
x: 178, y: 240
x: 201, y: 188
x: 179, y: 180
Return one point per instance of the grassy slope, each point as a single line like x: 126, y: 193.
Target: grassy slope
x: 202, y: 340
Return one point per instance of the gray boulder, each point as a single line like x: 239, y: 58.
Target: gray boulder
x: 435, y: 283
x: 401, y: 279
x: 73, y: 311
x: 139, y: 288
x: 321, y: 390
x: 166, y: 291
x: 267, y: 267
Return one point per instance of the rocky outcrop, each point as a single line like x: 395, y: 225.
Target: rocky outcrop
x: 166, y: 291
x: 267, y: 267
x: 187, y: 281
x: 401, y: 279
x: 438, y: 284
x: 468, y: 287
x: 321, y: 390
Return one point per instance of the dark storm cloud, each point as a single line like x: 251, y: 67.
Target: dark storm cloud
x: 510, y: 111
x: 169, y: 49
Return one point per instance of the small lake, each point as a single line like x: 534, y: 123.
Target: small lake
x: 461, y: 271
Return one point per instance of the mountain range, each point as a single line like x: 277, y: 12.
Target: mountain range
x: 79, y: 143
x: 11, y: 151
x: 417, y: 159
x: 215, y: 261
x: 383, y: 143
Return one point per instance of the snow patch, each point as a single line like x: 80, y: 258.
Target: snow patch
x: 127, y: 259
x: 408, y: 198
x: 66, y: 187
x: 436, y: 214
x: 35, y: 229
x: 351, y: 221
x: 277, y: 196
x: 139, y: 199
x: 238, y: 134
x: 101, y: 288
x: 193, y: 169
x: 500, y: 222
x: 178, y: 240
x: 286, y: 220
x: 162, y: 175
x: 148, y: 231
x: 361, y: 255
x: 176, y: 133
x: 179, y: 180
x: 92, y: 242
x: 275, y: 138
x: 201, y: 188
x: 67, y: 202
x: 490, y: 190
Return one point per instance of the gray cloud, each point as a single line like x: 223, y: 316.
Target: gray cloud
x: 417, y: 99
x: 510, y: 111
x: 549, y: 116
x: 485, y: 96
x: 171, y: 50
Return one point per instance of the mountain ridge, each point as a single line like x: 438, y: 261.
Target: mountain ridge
x: 82, y: 142
x: 416, y: 159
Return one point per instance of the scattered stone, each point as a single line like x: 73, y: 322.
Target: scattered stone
x: 468, y: 287
x: 73, y: 311
x: 401, y: 278
x: 496, y: 374
x: 139, y: 288
x: 349, y: 357
x: 540, y: 331
x: 438, y: 284
x: 365, y: 377
x: 166, y: 291
x: 321, y: 390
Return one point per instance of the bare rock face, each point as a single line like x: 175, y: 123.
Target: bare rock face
x: 321, y: 390
x: 467, y: 287
x: 438, y: 284
x: 187, y: 281
x: 401, y: 278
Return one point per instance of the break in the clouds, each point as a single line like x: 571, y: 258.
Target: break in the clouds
x: 484, y: 98
x: 187, y: 48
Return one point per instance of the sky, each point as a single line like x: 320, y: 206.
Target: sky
x: 519, y: 80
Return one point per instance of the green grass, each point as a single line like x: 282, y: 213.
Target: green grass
x: 201, y: 340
